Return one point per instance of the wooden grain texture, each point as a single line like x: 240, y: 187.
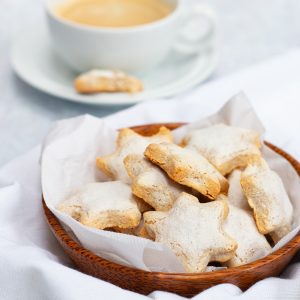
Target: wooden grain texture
x: 184, y: 284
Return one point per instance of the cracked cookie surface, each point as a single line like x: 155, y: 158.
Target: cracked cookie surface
x: 188, y: 168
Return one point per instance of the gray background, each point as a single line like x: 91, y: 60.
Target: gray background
x: 249, y: 32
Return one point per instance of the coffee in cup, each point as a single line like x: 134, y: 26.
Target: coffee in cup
x: 113, y: 13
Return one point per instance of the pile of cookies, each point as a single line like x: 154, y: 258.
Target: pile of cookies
x: 213, y: 198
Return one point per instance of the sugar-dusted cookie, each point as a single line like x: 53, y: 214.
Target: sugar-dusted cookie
x: 267, y: 196
x: 129, y: 142
x: 240, y: 225
x: 236, y: 195
x: 226, y: 147
x: 102, y: 205
x: 193, y: 231
x: 97, y: 81
x: 188, y: 168
x: 150, y: 183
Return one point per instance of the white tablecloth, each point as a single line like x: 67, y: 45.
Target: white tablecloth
x: 33, y: 266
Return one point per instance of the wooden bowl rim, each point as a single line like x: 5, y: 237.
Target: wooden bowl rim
x: 67, y: 240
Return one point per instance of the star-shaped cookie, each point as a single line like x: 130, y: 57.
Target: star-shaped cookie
x: 99, y: 81
x: 150, y: 183
x: 240, y: 225
x: 267, y: 196
x: 103, y: 205
x: 129, y: 142
x: 193, y: 230
x: 188, y: 168
x: 226, y: 147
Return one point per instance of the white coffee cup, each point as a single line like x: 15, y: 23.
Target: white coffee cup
x: 131, y: 49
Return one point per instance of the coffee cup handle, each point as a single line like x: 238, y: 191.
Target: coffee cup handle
x: 192, y: 38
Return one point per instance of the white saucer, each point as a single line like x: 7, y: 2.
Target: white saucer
x: 35, y: 62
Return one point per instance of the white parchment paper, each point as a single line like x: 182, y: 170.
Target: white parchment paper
x: 68, y: 162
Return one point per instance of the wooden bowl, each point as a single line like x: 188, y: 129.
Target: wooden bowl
x: 184, y: 284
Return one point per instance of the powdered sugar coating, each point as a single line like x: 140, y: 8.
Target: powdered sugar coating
x: 102, y: 205
x: 266, y: 194
x: 226, y: 147
x: 129, y: 142
x: 193, y: 231
x: 150, y: 183
x: 240, y: 225
x: 97, y: 80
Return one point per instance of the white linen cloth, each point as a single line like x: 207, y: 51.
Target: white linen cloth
x: 32, y: 264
